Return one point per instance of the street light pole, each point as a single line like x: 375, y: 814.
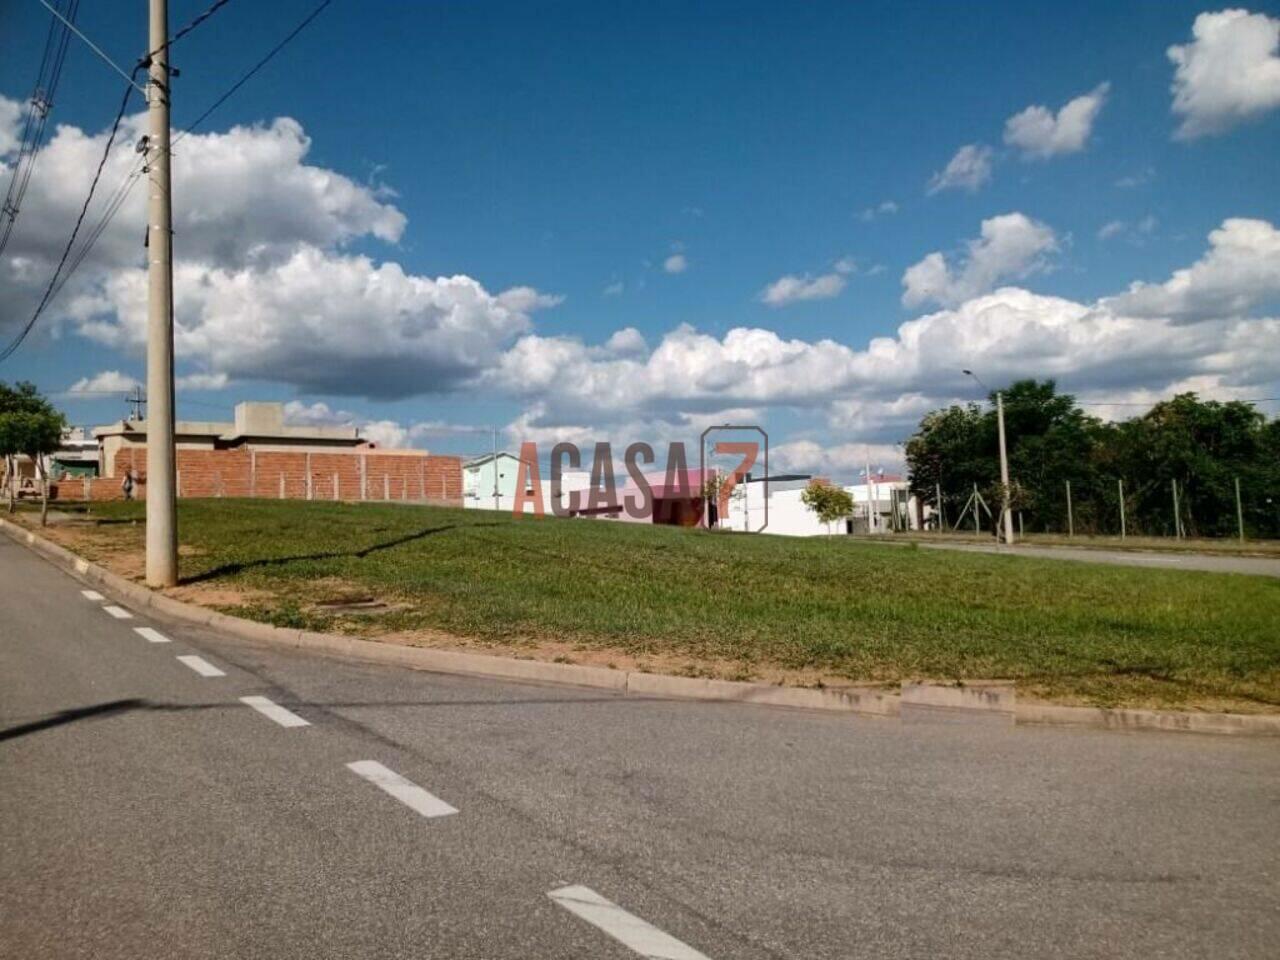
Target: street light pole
x: 1004, y: 471
x: 1005, y: 509
x: 162, y: 508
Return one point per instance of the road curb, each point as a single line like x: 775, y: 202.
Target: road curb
x: 979, y: 701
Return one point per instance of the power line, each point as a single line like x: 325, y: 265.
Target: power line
x: 55, y: 53
x: 94, y: 47
x: 121, y: 193
x: 217, y: 5
x: 66, y: 252
x: 306, y: 21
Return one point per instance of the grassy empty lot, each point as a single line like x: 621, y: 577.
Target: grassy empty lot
x: 805, y: 610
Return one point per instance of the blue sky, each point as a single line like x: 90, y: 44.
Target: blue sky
x: 575, y: 148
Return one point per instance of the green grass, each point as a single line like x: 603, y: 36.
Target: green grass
x: 835, y: 608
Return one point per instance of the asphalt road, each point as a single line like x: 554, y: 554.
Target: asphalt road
x: 1212, y: 563
x: 148, y: 811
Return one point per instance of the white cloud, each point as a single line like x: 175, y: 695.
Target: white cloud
x: 318, y: 414
x: 626, y: 342
x: 885, y: 208
x: 969, y: 169
x: 387, y: 434
x: 287, y: 302
x: 263, y: 286
x: 202, y: 381
x: 107, y: 381
x: 442, y: 428
x: 1011, y: 246
x: 676, y: 263
x: 613, y: 289
x: 571, y: 389
x: 247, y: 197
x: 1136, y: 233
x: 841, y: 460
x: 113, y: 381
x: 1240, y: 271
x: 1228, y: 74
x: 321, y: 321
x: 1141, y: 178
x: 1041, y: 134
x: 10, y: 125
x: 793, y: 289
x: 878, y: 391
x: 527, y: 299
x: 1111, y: 229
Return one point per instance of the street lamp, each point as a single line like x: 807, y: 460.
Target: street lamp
x: 1004, y: 459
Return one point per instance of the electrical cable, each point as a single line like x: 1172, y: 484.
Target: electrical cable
x: 66, y: 252
x: 121, y: 193
x: 55, y: 53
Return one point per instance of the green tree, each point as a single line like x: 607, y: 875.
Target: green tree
x: 29, y: 425
x: 828, y: 503
x: 1049, y: 438
x: 1202, y: 445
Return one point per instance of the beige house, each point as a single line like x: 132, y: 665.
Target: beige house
x: 256, y: 423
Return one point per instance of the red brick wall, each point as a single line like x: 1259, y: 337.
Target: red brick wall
x: 333, y: 475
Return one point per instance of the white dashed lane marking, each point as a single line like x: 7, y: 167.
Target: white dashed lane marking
x: 120, y: 613
x: 155, y: 636
x: 286, y: 718
x: 406, y: 791
x: 628, y: 929
x: 93, y: 595
x: 201, y: 666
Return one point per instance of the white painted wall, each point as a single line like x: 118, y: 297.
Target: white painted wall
x: 569, y: 480
x: 788, y: 516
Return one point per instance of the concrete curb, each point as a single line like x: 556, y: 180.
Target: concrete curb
x: 981, y: 701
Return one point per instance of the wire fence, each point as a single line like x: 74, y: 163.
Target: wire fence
x: 1232, y: 507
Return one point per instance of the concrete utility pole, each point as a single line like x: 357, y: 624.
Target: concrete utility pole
x: 496, y: 504
x: 1071, y: 520
x: 1120, y: 485
x: 162, y: 509
x: 1004, y: 471
x: 1239, y: 511
x: 1004, y: 458
x: 1177, y: 514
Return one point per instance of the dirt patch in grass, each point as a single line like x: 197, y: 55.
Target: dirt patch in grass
x: 615, y: 659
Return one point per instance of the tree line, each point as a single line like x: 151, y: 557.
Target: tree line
x: 1203, y: 446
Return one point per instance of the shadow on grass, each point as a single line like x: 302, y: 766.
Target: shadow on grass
x: 231, y: 569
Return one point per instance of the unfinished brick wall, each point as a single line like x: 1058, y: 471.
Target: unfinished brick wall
x: 291, y: 475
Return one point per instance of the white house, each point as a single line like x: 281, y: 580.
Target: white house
x: 874, y: 507
x: 478, y: 481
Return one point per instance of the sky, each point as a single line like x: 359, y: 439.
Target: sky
x: 587, y: 222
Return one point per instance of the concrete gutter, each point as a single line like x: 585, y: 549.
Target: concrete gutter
x: 973, y: 701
